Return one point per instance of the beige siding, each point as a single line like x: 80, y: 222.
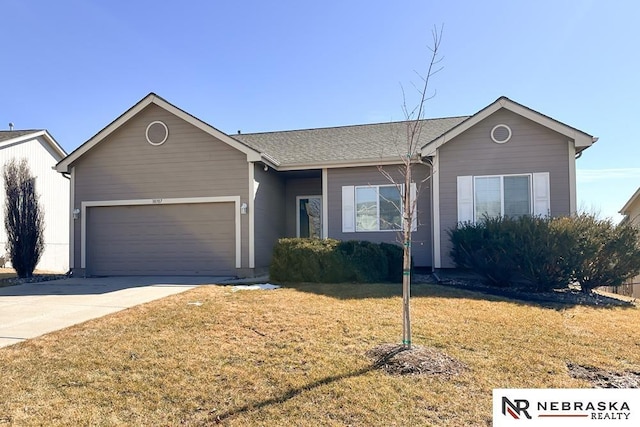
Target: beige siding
x: 532, y: 148
x: 191, y: 163
x: 269, y: 214
x: 422, y: 241
x: 295, y: 188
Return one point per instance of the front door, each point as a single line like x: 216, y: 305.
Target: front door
x: 309, y: 216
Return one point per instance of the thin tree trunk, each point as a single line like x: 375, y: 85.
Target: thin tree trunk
x: 406, y: 259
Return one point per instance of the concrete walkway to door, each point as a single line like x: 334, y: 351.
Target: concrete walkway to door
x: 33, y: 309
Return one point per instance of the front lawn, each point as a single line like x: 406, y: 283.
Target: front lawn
x: 295, y: 356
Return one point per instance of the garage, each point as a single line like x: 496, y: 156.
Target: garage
x: 161, y: 239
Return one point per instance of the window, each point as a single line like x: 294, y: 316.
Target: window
x: 373, y: 208
x: 503, y: 195
x: 378, y: 208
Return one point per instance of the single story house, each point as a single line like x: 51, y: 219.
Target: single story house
x: 42, y: 153
x: 159, y: 191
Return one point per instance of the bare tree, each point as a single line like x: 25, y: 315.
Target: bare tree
x: 409, y: 154
x: 24, y: 218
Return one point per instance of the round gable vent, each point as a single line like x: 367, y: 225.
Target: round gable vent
x: 157, y: 133
x: 501, y: 134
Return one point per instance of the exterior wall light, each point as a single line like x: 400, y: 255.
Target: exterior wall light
x: 243, y: 209
x: 76, y: 213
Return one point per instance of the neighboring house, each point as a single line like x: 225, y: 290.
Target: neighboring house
x: 42, y: 153
x: 631, y: 212
x: 159, y: 191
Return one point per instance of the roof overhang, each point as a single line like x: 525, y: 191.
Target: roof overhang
x: 341, y: 164
x: 630, y: 202
x: 582, y: 140
x: 55, y: 148
x: 152, y: 98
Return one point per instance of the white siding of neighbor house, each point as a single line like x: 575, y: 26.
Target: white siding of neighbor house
x: 53, y: 189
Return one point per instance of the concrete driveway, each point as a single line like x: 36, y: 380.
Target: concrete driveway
x: 34, y: 309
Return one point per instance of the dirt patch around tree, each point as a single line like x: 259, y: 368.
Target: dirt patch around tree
x: 396, y: 359
x: 601, y: 378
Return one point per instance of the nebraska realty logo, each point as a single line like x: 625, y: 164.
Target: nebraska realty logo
x: 566, y: 407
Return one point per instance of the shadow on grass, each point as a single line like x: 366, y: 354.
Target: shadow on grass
x: 291, y: 393
x: 346, y: 291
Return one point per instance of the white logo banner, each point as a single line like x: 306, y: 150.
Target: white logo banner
x: 566, y: 407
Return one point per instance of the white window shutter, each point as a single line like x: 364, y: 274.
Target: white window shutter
x: 541, y: 194
x: 413, y: 193
x: 348, y: 209
x: 465, y: 199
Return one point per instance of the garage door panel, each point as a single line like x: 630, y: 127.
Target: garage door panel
x: 184, y: 239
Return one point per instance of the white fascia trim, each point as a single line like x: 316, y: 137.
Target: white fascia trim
x: 345, y: 164
x: 572, y: 178
x: 627, y: 205
x: 252, y: 198
x: 72, y: 225
x: 41, y: 133
x: 174, y: 201
x: 581, y: 139
x: 251, y: 154
x: 63, y: 166
x: 325, y: 203
x: 435, y: 173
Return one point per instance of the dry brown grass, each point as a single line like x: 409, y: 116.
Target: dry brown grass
x: 296, y: 357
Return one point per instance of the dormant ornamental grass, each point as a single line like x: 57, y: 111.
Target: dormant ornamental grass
x: 295, y: 356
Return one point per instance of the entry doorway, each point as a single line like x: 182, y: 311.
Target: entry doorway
x: 309, y: 217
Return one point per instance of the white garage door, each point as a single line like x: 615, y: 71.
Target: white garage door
x: 171, y: 239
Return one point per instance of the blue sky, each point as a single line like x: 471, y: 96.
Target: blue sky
x: 73, y: 66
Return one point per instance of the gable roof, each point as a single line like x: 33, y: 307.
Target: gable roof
x: 355, y: 145
x: 152, y: 98
x: 337, y: 146
x: 627, y: 206
x: 11, y: 137
x: 582, y: 140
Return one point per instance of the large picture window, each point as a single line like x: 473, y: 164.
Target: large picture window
x: 510, y: 196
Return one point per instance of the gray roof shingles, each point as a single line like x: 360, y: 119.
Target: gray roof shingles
x: 343, y: 144
x: 10, y: 134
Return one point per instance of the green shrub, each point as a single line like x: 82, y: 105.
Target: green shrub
x: 333, y: 261
x: 394, y: 255
x: 605, y: 254
x: 306, y: 260
x: 543, y: 253
x: 486, y: 248
x: 364, y: 262
x: 548, y: 253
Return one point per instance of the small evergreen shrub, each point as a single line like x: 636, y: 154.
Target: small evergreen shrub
x: 542, y: 253
x: 333, y: 261
x: 306, y: 260
x: 605, y: 254
x: 394, y: 255
x: 486, y: 248
x: 548, y: 253
x: 364, y: 262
